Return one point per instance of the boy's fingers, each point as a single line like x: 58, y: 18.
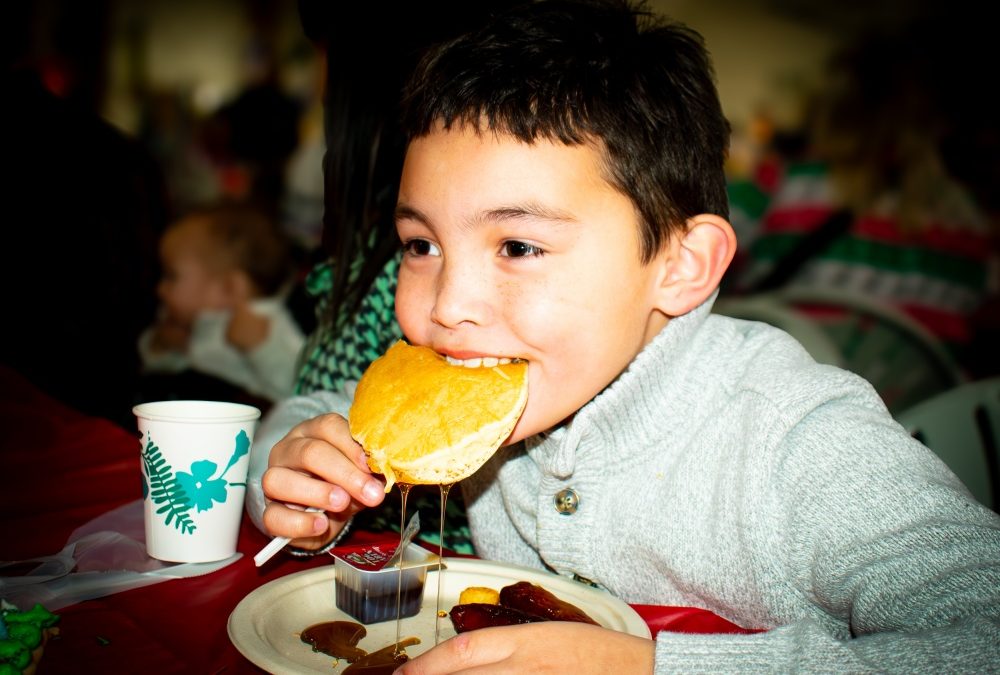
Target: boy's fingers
x: 294, y: 524
x: 286, y: 485
x: 311, y: 472
x: 464, y: 652
x: 305, y: 529
x: 329, y: 464
x: 335, y: 430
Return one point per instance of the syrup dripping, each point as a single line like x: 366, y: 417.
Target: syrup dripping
x: 437, y: 607
x: 404, y: 491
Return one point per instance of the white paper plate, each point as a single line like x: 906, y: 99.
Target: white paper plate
x: 265, y: 626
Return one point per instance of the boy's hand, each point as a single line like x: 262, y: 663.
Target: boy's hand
x: 546, y: 647
x: 317, y: 464
x: 247, y: 330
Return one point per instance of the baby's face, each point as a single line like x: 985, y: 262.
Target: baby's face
x: 190, y: 284
x: 525, y: 251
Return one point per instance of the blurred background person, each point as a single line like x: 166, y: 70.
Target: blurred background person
x: 888, y: 195
x: 226, y: 271
x: 83, y: 208
x: 252, y: 136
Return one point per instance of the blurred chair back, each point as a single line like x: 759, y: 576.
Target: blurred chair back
x: 903, y: 361
x: 962, y: 427
x: 768, y: 309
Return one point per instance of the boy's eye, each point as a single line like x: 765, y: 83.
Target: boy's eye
x: 519, y: 249
x: 421, y: 247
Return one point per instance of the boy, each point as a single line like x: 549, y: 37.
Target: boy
x: 222, y: 311
x: 562, y: 201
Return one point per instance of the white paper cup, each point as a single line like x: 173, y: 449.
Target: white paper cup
x: 195, y: 456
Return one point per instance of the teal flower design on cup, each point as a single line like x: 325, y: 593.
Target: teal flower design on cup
x: 177, y: 492
x: 204, y: 491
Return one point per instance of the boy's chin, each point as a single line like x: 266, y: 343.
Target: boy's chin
x: 519, y: 433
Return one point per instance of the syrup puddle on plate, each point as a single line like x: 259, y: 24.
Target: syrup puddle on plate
x: 339, y: 639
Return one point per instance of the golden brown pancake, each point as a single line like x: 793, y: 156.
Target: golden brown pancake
x: 422, y: 420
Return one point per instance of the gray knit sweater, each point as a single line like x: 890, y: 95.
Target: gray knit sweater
x: 727, y: 470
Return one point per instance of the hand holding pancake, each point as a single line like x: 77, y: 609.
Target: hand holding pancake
x: 420, y: 419
x: 317, y: 464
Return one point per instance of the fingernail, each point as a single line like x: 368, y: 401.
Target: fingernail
x: 338, y: 499
x: 372, y: 490
x: 320, y: 524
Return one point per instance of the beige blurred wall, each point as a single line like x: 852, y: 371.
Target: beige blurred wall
x: 196, y: 48
x: 764, y: 63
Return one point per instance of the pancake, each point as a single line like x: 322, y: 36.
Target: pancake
x: 422, y: 420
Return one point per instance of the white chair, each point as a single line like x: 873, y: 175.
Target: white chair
x: 962, y: 426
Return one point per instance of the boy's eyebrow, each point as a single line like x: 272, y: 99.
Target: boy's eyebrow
x: 501, y: 213
x: 527, y: 210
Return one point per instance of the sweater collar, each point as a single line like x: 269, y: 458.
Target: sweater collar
x: 633, y: 409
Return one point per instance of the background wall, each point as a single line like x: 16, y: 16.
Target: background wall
x: 765, y: 61
x: 768, y: 53
x: 765, y: 58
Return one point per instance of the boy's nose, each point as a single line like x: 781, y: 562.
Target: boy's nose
x: 462, y: 296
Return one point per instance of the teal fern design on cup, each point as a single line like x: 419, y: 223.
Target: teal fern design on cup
x: 205, y: 490
x: 165, y: 490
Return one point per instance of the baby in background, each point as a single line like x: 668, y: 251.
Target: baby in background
x: 222, y: 313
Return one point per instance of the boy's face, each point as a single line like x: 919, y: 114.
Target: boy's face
x: 191, y: 283
x: 526, y: 251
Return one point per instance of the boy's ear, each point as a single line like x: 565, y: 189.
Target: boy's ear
x: 693, y: 262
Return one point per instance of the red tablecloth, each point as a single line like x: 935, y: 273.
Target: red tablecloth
x: 60, y: 469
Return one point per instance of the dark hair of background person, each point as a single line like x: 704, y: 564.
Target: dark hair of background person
x: 257, y: 128
x: 578, y: 72
x: 254, y: 241
x: 371, y: 50
x: 899, y: 96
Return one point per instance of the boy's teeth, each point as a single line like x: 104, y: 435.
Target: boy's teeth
x: 486, y: 362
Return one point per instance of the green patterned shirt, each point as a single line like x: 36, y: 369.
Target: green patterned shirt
x: 341, y: 352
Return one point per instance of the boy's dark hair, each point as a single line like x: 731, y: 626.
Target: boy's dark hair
x: 579, y: 72
x: 253, y: 242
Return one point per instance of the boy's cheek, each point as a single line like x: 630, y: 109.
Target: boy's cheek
x: 408, y: 308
